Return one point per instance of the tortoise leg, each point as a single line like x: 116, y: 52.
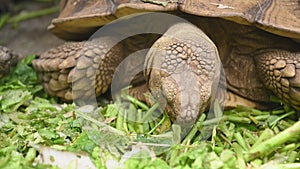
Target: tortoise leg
x: 182, y: 69
x: 141, y: 93
x: 233, y: 100
x: 279, y: 70
x: 79, y: 69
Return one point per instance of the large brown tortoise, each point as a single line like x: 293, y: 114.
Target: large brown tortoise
x: 256, y: 41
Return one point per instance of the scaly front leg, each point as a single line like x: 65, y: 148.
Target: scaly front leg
x: 279, y: 70
x: 79, y: 70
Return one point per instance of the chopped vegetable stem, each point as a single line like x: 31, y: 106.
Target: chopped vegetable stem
x: 273, y: 143
x: 241, y: 140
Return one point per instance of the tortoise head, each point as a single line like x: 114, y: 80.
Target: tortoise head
x: 183, y: 71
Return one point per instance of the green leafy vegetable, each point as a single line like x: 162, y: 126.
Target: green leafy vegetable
x: 133, y: 135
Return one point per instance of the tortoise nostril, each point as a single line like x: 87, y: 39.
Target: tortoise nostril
x: 188, y: 112
x: 188, y: 115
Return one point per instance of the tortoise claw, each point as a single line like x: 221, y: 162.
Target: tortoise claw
x: 280, y: 72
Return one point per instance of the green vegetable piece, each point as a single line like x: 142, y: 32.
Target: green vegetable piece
x: 11, y: 100
x: 273, y: 143
x: 197, y: 126
x: 292, y: 156
x: 30, y: 156
x: 228, y: 158
x: 241, y: 140
x: 266, y: 134
x: 237, y: 119
x: 240, y: 159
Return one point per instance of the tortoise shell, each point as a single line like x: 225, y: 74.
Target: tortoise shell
x: 79, y: 18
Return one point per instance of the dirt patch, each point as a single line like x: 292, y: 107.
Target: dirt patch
x: 30, y: 36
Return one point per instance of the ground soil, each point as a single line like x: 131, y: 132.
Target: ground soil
x: 30, y: 36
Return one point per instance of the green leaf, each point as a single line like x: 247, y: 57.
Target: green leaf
x: 84, y: 143
x: 11, y: 100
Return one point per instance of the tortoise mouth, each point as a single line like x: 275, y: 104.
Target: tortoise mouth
x: 191, y: 106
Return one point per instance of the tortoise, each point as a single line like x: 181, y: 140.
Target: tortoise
x: 257, y: 42
x: 8, y: 59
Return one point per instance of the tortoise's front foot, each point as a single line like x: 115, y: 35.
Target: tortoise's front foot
x: 279, y: 70
x: 182, y: 71
x: 79, y: 70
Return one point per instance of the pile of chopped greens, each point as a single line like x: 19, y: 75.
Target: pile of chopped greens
x: 33, y: 124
